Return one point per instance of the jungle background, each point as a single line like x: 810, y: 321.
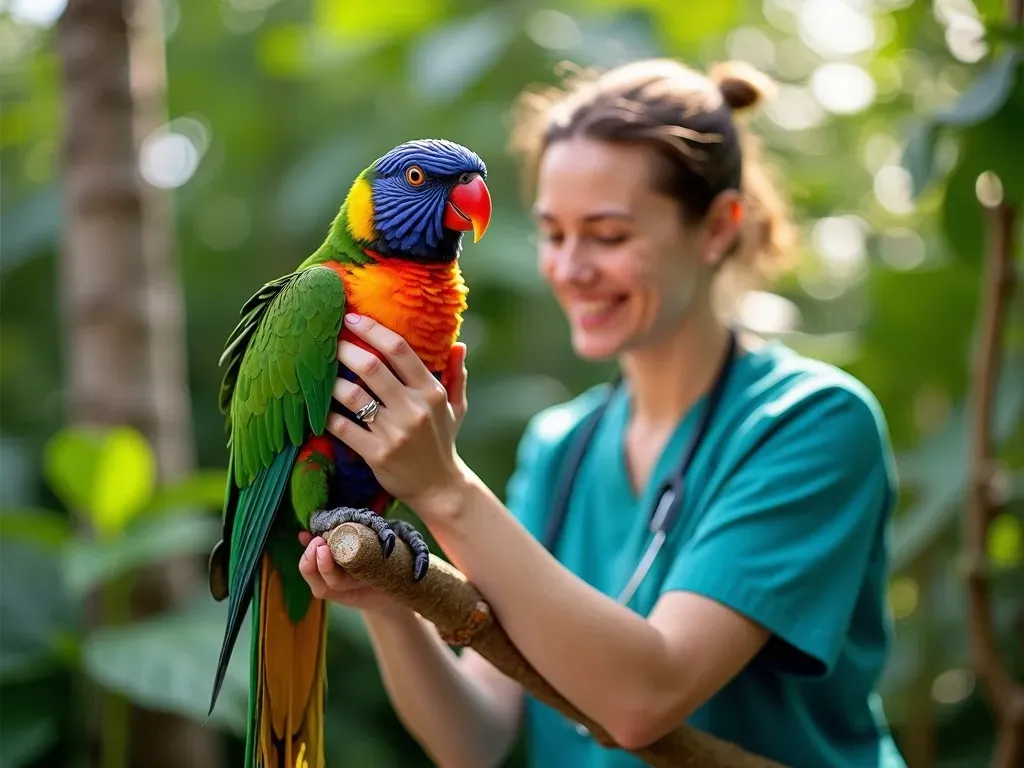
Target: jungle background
x: 138, y: 215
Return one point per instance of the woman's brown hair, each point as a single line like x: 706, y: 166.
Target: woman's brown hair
x: 689, y: 121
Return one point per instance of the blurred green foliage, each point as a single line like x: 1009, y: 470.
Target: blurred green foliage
x: 892, y: 121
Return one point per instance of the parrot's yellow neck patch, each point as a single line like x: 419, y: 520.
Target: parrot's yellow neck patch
x: 360, y: 211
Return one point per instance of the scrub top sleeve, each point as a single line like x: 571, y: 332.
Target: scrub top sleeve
x: 789, y: 537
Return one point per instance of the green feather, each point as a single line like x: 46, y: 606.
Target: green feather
x: 281, y: 365
x: 254, y: 515
x: 301, y: 353
x: 309, y: 485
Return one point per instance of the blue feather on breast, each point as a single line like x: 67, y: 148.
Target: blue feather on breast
x: 354, y: 484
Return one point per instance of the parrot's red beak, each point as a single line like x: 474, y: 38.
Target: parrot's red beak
x: 469, y: 208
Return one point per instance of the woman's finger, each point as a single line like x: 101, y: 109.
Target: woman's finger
x: 310, y: 572
x: 360, y: 440
x: 335, y: 578
x: 354, y: 397
x: 399, y: 354
x: 455, y: 376
x: 373, y: 371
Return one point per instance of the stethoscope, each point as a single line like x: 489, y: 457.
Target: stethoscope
x: 670, y: 496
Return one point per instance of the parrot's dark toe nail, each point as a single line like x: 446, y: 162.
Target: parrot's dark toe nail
x: 387, y: 542
x: 419, y: 568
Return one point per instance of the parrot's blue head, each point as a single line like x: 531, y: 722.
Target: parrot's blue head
x: 417, y: 200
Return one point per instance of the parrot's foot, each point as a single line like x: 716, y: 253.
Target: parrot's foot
x: 407, y: 532
x: 324, y: 520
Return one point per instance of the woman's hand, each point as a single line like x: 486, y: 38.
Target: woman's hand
x: 410, y: 444
x: 328, y: 581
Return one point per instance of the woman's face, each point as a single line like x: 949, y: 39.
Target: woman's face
x: 621, y: 262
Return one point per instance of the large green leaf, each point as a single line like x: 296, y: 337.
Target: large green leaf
x: 989, y: 126
x: 447, y: 60
x: 919, y: 156
x: 986, y: 95
x: 89, y: 563
x: 42, y: 527
x: 198, y: 492
x: 109, y: 474
x: 167, y: 664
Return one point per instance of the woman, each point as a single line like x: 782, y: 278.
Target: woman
x: 762, y: 619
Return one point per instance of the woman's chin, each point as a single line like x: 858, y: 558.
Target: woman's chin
x: 596, y: 346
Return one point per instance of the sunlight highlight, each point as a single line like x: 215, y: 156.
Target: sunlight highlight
x: 902, y: 249
x: 168, y: 160
x: 794, y: 108
x: 892, y: 189
x: 842, y: 88
x: 953, y: 686
x: 840, y: 241
x: 38, y: 13
x: 767, y: 313
x: 751, y: 45
x: 835, y: 27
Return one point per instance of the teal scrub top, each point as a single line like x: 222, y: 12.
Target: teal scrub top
x: 784, y: 518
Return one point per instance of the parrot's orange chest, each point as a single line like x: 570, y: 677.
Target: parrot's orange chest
x: 423, y: 303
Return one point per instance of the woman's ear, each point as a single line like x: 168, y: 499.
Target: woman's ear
x: 722, y: 225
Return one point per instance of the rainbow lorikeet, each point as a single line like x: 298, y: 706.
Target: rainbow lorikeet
x: 391, y: 253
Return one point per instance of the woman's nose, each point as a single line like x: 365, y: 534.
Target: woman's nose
x: 571, y: 264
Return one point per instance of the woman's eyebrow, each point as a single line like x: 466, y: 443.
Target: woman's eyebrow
x: 590, y: 217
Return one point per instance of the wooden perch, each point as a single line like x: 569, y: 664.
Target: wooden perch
x: 462, y: 617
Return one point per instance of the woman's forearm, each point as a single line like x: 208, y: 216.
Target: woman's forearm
x: 455, y: 718
x: 607, y: 660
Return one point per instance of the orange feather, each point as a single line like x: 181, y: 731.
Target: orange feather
x: 422, y: 303
x: 291, y: 681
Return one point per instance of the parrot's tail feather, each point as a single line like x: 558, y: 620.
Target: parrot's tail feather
x: 290, y: 679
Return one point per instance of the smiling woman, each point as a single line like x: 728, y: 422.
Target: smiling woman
x: 704, y: 540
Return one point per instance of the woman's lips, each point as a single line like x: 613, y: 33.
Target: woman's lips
x: 594, y: 313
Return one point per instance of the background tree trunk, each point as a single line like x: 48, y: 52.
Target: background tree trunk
x: 124, y: 340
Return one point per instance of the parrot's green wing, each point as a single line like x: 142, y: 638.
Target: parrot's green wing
x: 281, y: 368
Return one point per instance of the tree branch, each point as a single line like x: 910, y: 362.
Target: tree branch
x: 462, y: 617
x: 1006, y: 695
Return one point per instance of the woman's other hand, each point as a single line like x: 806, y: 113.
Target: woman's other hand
x: 410, y: 444
x: 328, y: 581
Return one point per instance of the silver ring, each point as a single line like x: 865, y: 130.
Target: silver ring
x: 368, y: 412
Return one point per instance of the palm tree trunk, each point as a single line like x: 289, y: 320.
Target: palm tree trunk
x: 124, y: 337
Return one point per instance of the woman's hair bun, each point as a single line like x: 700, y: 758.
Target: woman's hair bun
x: 743, y: 86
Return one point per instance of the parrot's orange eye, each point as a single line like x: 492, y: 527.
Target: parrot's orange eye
x: 414, y: 175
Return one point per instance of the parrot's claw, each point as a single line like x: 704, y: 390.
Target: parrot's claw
x: 324, y: 520
x: 414, y: 540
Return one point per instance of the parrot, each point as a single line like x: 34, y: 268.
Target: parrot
x: 391, y: 253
